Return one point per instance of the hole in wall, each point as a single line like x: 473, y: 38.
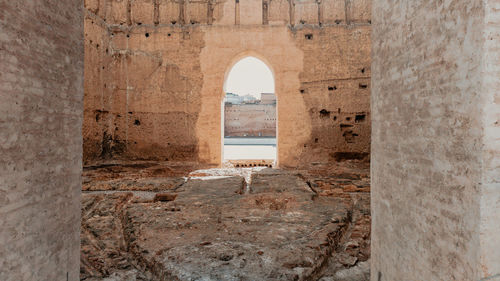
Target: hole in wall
x: 349, y: 136
x: 343, y: 156
x: 147, y: 34
x: 363, y: 86
x: 324, y: 113
x: 137, y: 122
x: 332, y: 88
x: 308, y: 36
x: 173, y: 22
x: 359, y: 118
x: 343, y: 126
x: 338, y: 21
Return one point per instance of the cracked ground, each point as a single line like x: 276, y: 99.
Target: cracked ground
x: 173, y: 221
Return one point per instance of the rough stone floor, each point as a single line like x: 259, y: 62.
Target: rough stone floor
x: 172, y: 221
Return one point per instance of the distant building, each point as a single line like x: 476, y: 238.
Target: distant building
x: 247, y: 116
x: 233, y: 98
x: 249, y: 99
x: 237, y: 99
x: 267, y: 98
x: 250, y: 120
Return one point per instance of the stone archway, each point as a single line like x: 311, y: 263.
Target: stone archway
x: 261, y: 80
x: 277, y: 50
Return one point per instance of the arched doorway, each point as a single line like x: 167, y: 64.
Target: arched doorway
x: 249, y: 112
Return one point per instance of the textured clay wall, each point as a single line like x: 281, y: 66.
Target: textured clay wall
x: 435, y: 186
x: 490, y: 192
x: 250, y: 120
x: 156, y: 70
x: 41, y: 100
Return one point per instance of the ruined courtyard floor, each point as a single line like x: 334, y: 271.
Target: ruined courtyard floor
x: 177, y: 221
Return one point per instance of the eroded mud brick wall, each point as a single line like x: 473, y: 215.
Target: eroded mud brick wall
x: 155, y: 72
x: 41, y: 101
x: 435, y: 144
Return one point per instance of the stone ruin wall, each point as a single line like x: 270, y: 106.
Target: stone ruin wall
x: 435, y: 174
x: 154, y: 72
x: 255, y: 120
x: 41, y: 101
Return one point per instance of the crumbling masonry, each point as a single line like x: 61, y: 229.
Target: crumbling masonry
x: 155, y: 70
x: 149, y: 120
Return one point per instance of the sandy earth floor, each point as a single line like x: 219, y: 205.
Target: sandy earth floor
x: 176, y: 221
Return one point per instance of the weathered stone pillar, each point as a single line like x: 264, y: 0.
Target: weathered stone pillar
x: 237, y: 13
x: 41, y: 107
x: 436, y: 140
x: 156, y: 15
x: 348, y: 12
x: 210, y: 11
x: 265, y: 12
x: 320, y: 12
x: 182, y: 12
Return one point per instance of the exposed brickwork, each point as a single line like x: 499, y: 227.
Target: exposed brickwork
x: 490, y: 194
x: 41, y: 95
x: 432, y: 148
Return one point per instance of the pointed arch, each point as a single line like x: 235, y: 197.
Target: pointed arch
x: 262, y: 63
x: 242, y: 56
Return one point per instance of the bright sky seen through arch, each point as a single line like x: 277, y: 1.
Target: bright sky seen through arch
x: 250, y: 76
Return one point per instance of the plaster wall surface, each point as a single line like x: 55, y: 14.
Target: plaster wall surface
x: 435, y: 141
x: 41, y: 100
x: 154, y: 88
